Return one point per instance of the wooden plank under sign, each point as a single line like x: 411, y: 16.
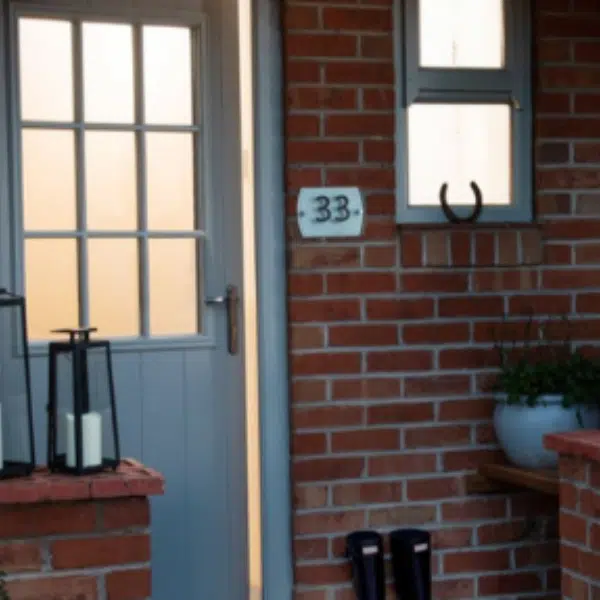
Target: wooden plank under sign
x: 504, y: 478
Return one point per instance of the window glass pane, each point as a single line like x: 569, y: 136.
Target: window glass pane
x: 457, y: 144
x: 170, y: 168
x: 114, y: 289
x: 111, y: 180
x: 108, y: 72
x: 173, y: 287
x: 167, y: 75
x: 462, y: 33
x: 46, y: 70
x: 51, y: 286
x: 48, y: 179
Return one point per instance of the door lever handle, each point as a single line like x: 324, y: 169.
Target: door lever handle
x: 231, y: 302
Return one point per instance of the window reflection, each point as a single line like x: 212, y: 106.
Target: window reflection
x: 167, y: 75
x: 111, y: 186
x: 45, y: 64
x: 173, y: 287
x: 114, y: 290
x: 170, y: 166
x: 48, y: 158
x: 51, y: 286
x: 462, y: 33
x: 459, y: 143
x: 108, y: 73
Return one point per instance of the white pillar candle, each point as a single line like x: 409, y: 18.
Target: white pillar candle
x: 91, y: 439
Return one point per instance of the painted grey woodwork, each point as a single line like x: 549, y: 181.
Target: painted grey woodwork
x: 272, y: 292
x: 510, y: 85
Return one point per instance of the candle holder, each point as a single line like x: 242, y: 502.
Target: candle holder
x: 82, y: 420
x: 17, y: 450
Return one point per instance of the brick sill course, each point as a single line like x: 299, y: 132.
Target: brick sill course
x: 131, y: 479
x: 583, y: 444
x: 472, y: 246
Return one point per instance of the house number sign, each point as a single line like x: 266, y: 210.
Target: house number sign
x: 330, y: 212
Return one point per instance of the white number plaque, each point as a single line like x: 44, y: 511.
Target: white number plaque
x: 330, y: 212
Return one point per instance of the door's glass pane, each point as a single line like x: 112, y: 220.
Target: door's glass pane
x: 110, y: 180
x: 457, y: 144
x: 48, y: 179
x: 170, y: 167
x: 167, y: 75
x: 46, y: 71
x: 462, y: 34
x: 51, y: 286
x: 114, y: 288
x: 173, y: 287
x: 108, y: 72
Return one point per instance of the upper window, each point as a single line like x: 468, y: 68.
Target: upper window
x: 110, y: 142
x: 465, y: 109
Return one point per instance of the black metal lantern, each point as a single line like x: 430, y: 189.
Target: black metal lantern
x: 82, y: 421
x: 17, y: 451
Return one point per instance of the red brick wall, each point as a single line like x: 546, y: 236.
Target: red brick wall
x: 580, y: 528
x: 76, y: 550
x: 87, y: 550
x: 390, y: 342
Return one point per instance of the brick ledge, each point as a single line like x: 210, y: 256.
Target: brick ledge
x: 585, y: 444
x: 130, y: 479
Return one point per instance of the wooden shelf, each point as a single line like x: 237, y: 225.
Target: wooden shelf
x: 504, y: 478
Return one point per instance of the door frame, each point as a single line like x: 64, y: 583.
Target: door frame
x: 270, y: 235
x: 274, y: 380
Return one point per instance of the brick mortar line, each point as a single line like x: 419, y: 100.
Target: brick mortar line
x: 93, y: 571
x: 461, y: 473
x: 113, y: 533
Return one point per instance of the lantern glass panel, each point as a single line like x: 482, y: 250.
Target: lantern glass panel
x: 64, y: 399
x: 100, y: 397
x: 16, y: 443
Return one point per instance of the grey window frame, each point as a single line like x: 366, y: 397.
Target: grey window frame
x: 511, y: 85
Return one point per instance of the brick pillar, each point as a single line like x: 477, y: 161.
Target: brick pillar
x: 579, y: 513
x: 78, y: 538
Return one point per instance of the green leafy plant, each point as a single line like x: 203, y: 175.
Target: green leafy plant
x: 542, y: 360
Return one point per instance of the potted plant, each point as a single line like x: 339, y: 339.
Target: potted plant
x: 544, y: 386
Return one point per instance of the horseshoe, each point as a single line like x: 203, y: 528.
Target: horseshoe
x: 451, y: 215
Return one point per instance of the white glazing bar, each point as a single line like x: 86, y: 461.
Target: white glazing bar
x: 116, y: 234
x: 111, y: 126
x: 80, y: 178
x: 142, y: 192
x: 200, y: 169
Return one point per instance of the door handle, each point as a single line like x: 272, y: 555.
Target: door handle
x: 231, y: 302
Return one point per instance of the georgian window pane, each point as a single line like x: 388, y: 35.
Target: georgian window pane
x: 51, y: 286
x: 170, y: 167
x: 108, y: 73
x: 48, y: 172
x: 46, y: 69
x: 114, y: 288
x: 168, y: 75
x: 173, y: 287
x: 111, y: 180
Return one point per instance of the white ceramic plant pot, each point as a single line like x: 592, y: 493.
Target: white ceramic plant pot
x: 520, y: 429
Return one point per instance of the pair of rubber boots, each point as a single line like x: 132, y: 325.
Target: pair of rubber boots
x: 411, y: 564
